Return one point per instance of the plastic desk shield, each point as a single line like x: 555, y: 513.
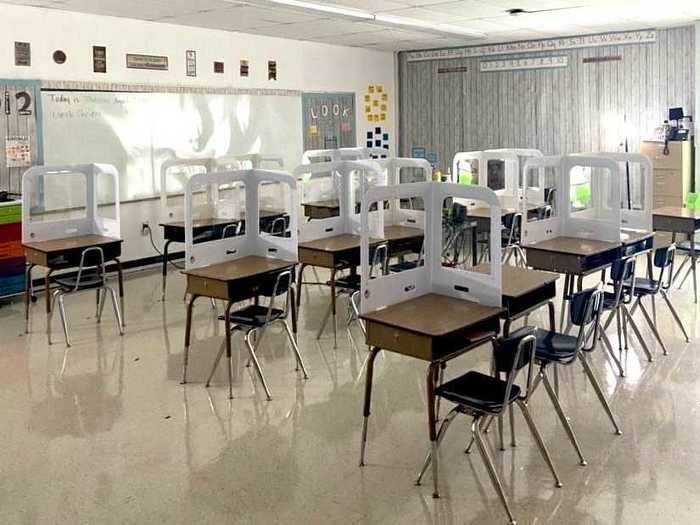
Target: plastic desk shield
x: 330, y: 155
x: 174, y: 174
x: 248, y: 161
x: 68, y: 201
x: 636, y: 208
x: 343, y: 182
x: 360, y: 176
x: 250, y: 239
x: 432, y: 276
x: 593, y: 213
x: 321, y: 183
x: 495, y: 169
x: 405, y: 212
x: 546, y: 224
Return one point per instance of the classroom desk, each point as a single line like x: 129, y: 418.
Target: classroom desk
x: 204, y: 230
x: 577, y: 257
x: 680, y: 220
x: 524, y: 291
x: 405, y: 329
x: 61, y: 254
x: 234, y: 281
x: 402, y: 239
x: 333, y: 253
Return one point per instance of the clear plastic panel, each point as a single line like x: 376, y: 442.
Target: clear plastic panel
x: 466, y: 232
x: 59, y: 195
x: 320, y: 195
x: 228, y: 203
x: 177, y: 176
x: 496, y: 174
x: 275, y: 205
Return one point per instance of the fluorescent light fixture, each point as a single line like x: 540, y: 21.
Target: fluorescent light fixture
x: 430, y: 27
x: 380, y: 19
x: 346, y: 12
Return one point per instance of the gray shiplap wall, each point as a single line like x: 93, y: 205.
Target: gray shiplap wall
x: 573, y: 109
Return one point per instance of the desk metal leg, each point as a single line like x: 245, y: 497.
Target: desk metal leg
x: 295, y: 308
x: 368, y: 400
x: 165, y: 268
x: 188, y: 333
x: 120, y: 277
x: 431, y: 381
x: 333, y: 305
x: 227, y: 324
x: 693, y: 262
x: 300, y: 282
x: 29, y: 289
x: 565, y: 292
x: 473, y: 232
x: 47, y: 290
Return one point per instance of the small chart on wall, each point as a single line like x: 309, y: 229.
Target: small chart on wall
x: 20, y: 131
x: 137, y: 131
x: 328, y: 120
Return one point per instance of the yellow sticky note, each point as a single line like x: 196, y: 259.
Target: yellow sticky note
x: 370, y: 88
x: 375, y: 103
x: 368, y: 98
x: 382, y: 117
x: 383, y: 107
x: 385, y: 97
x: 313, y: 130
x: 368, y: 109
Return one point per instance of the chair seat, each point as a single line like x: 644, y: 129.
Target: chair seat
x: 609, y: 300
x: 554, y: 347
x: 644, y: 286
x: 478, y: 391
x: 89, y: 279
x: 685, y: 246
x: 253, y: 315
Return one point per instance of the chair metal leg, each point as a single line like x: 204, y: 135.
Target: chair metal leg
x: 652, y: 325
x: 62, y: 311
x: 501, y: 441
x: 511, y: 417
x: 101, y: 305
x: 441, y: 433
x: 251, y: 350
x: 540, y: 443
x: 485, y: 423
x: 675, y: 315
x: 678, y: 272
x: 216, y: 363
x: 97, y: 301
x: 356, y: 309
x: 599, y: 392
x: 117, y: 312
x: 630, y: 320
x: 611, y: 352
x: 476, y: 431
x: 295, y: 347
x: 49, y: 315
x: 562, y: 417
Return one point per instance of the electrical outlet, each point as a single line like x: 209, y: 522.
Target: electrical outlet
x: 145, y: 227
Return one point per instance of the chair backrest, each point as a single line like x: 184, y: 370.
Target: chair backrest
x: 584, y: 311
x: 622, y: 274
x: 279, y: 227
x: 235, y: 228
x: 274, y: 289
x: 513, y: 223
x: 513, y: 353
x: 663, y: 259
x: 92, y: 258
x: 459, y: 213
x: 380, y: 258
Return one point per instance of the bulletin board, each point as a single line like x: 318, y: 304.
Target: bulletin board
x: 328, y: 120
x: 20, y: 131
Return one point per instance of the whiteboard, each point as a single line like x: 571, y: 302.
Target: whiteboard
x: 137, y: 132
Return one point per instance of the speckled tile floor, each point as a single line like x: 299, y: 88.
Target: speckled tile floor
x: 104, y: 433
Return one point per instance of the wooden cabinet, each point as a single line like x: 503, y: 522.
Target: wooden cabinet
x: 672, y: 171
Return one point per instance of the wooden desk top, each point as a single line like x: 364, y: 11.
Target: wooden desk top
x: 516, y: 282
x: 396, y: 233
x: 420, y: 315
x: 332, y: 203
x: 573, y: 246
x: 632, y: 236
x: 242, y: 268
x: 211, y: 222
x: 70, y: 243
x: 678, y: 212
x: 336, y: 243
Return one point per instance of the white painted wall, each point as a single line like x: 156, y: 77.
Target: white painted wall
x: 302, y: 66
x: 697, y: 105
